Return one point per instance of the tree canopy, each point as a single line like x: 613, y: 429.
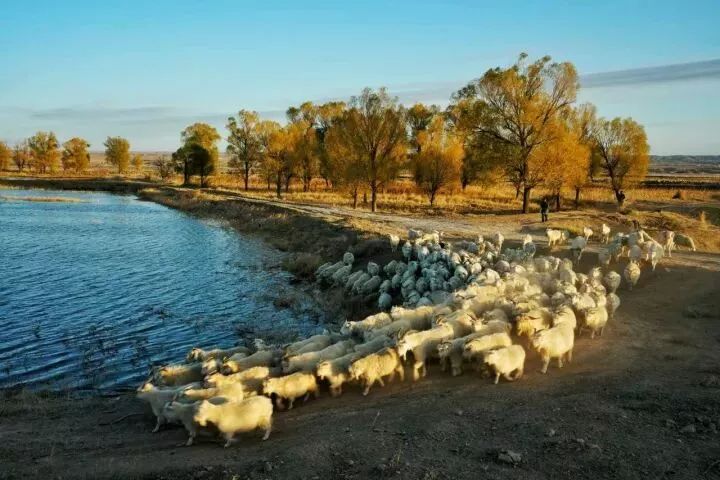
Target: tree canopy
x: 117, y: 153
x: 44, y: 151
x: 75, y: 155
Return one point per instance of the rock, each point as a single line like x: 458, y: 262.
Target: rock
x: 350, y: 463
x: 670, y: 423
x: 268, y: 467
x: 711, y: 381
x: 581, y: 441
x: 688, y: 429
x: 381, y: 468
x: 551, y: 433
x: 509, y: 457
x: 459, y: 413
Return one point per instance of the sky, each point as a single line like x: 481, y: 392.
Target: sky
x: 146, y: 69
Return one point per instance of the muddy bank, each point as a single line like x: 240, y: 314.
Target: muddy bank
x: 309, y: 241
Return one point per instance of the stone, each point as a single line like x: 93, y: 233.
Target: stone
x: 509, y: 457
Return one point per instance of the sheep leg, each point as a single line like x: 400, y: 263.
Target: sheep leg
x: 601, y: 330
x: 401, y: 372
x: 509, y: 377
x: 497, y: 378
x: 416, y: 372
x: 279, y: 403
x: 368, y: 384
x: 267, y: 426
x: 229, y: 440
x: 560, y: 361
x: 519, y: 373
x: 305, y: 398
x: 191, y: 439
x: 160, y: 421
x: 380, y: 381
x: 569, y: 355
x: 291, y: 401
x: 546, y: 364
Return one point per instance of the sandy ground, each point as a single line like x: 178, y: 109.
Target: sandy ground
x: 643, y: 401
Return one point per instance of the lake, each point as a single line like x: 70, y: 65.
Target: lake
x: 95, y: 287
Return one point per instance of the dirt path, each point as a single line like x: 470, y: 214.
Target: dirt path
x: 643, y: 401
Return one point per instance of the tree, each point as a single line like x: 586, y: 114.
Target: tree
x: 201, y: 161
x: 373, y: 130
x: 438, y: 160
x: 44, y: 151
x: 164, y: 167
x: 5, y: 156
x: 327, y: 116
x: 584, y: 121
x: 75, y: 155
x: 117, y: 153
x: 304, y: 118
x: 518, y: 106
x: 181, y: 160
x: 21, y: 155
x: 205, y: 136
x: 566, y: 160
x: 419, y: 117
x: 244, y: 145
x: 138, y: 162
x: 347, y: 172
x: 622, y: 146
x: 278, y: 145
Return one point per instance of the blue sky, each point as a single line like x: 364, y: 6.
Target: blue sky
x: 146, y: 69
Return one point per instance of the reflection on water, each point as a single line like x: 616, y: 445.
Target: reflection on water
x: 93, y: 291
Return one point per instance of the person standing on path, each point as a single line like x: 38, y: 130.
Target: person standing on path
x: 544, y: 207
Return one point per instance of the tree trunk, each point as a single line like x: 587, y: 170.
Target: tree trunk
x: 577, y: 198
x: 247, y: 178
x: 186, y: 173
x: 373, y: 196
x: 278, y: 185
x: 432, y: 198
x: 355, y: 197
x: 557, y: 201
x: 526, y: 199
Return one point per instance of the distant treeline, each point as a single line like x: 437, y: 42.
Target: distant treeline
x: 521, y: 122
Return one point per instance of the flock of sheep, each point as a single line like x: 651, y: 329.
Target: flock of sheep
x: 469, y: 305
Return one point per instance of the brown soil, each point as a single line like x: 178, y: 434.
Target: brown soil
x: 643, y: 401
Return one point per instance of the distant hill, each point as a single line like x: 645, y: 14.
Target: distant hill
x: 685, y: 159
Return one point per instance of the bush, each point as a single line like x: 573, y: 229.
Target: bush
x: 679, y: 195
x: 302, y: 265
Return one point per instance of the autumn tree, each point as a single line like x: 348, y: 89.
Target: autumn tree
x: 347, y: 173
x: 566, y: 160
x: 164, y: 167
x: 205, y: 136
x: 201, y: 161
x: 181, y: 161
x: 624, y: 151
x: 21, y: 155
x: 117, y: 153
x: 44, y: 151
x: 306, y: 148
x: 278, y: 146
x: 327, y: 116
x: 373, y: 130
x: 418, y: 118
x: 5, y: 156
x: 138, y: 162
x: 438, y: 160
x: 75, y: 155
x: 244, y: 143
x: 584, y: 121
x: 519, y: 106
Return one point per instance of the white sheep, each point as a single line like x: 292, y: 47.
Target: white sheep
x: 475, y: 348
x: 311, y: 344
x: 336, y: 372
x: 556, y: 342
x: 604, y: 233
x: 374, y: 345
x: 348, y: 258
x: 587, y: 233
x: 604, y: 257
x: 680, y: 239
x: 290, y: 387
x: 184, y: 413
x: 262, y: 358
x: 157, y: 397
x: 384, y: 301
x: 371, y: 322
x: 612, y: 281
x: 414, y: 234
x: 577, y: 246
x: 632, y: 274
x: 200, y: 355
x: 236, y: 417
x: 612, y: 304
x: 564, y: 315
x: 394, y: 242
x: 506, y: 361
x: 407, y: 250
x: 176, y: 375
x: 307, y: 362
x: 498, y: 240
x: 595, y: 320
x: 234, y: 392
x: 635, y: 253
x: 533, y: 321
x: 418, y: 318
x: 423, y: 345
x: 653, y: 252
x: 372, y: 368
x: 555, y: 237
x: 667, y: 240
x: 250, y: 379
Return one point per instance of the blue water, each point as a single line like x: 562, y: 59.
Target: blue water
x: 93, y: 292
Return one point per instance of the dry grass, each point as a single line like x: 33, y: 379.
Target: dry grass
x: 42, y: 199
